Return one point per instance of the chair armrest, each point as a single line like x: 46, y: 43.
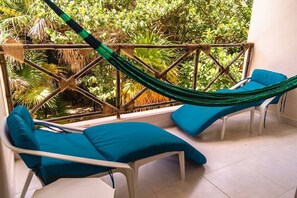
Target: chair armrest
x: 59, y: 126
x: 240, y: 83
x: 74, y: 158
x: 266, y: 102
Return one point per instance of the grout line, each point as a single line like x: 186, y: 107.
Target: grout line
x: 294, y: 188
x: 273, y: 181
x: 216, y: 187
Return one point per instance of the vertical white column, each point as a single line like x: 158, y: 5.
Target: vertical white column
x: 7, y: 183
x: 273, y: 30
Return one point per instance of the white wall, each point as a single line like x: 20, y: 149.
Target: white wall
x: 273, y: 29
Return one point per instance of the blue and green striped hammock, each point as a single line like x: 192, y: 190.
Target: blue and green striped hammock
x: 172, y: 91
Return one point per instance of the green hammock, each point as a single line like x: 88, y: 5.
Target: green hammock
x: 172, y: 91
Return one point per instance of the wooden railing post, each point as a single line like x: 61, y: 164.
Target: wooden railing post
x: 197, y: 56
x: 6, y: 82
x: 247, y: 60
x: 118, y: 91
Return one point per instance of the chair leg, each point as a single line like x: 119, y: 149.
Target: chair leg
x: 130, y: 181
x: 252, y: 115
x: 262, y: 117
x: 135, y: 168
x: 224, y: 127
x: 27, y: 183
x: 278, y: 109
x: 181, y: 157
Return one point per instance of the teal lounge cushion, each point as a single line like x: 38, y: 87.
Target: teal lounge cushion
x: 20, y: 126
x: 75, y: 144
x: 195, y: 119
x: 251, y: 85
x: 267, y: 78
x: 130, y: 141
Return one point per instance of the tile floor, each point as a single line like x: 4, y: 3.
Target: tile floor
x: 242, y: 165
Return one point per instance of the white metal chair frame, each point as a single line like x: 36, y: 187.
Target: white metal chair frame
x: 130, y: 170
x: 262, y: 108
x: 224, y: 120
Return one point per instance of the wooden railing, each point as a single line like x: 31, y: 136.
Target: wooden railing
x: 184, y: 51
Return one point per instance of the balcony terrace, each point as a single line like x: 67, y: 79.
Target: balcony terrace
x: 243, y: 165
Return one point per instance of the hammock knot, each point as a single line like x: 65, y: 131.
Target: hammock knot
x: 206, y: 49
x: 107, y: 109
x: 128, y: 50
x: 191, y: 48
x: 14, y: 49
x: 130, y: 106
x: 247, y: 46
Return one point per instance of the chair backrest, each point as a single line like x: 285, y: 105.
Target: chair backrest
x: 20, y: 127
x: 267, y: 77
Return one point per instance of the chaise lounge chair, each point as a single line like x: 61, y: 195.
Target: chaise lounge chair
x: 74, y: 152
x: 194, y: 119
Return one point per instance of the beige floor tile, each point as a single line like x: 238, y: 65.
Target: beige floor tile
x: 289, y: 136
x: 153, y: 195
x: 29, y: 194
x: 161, y: 174
x: 289, y: 194
x: 192, y: 189
x: 121, y: 190
x: 223, y: 153
x: 239, y: 181
x: 278, y: 165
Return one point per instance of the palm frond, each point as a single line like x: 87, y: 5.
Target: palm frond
x: 8, y: 12
x: 19, y: 24
x: 32, y: 96
x: 37, y: 31
x: 75, y: 58
x: 17, y: 83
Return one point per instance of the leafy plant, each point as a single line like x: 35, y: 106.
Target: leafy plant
x: 30, y: 86
x: 158, y: 59
x: 130, y: 21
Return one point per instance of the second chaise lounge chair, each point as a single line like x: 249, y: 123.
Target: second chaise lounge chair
x: 194, y: 119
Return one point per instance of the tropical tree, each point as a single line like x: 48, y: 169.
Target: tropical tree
x: 29, y: 86
x: 129, y: 21
x: 158, y: 59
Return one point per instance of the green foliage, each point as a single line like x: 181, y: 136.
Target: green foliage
x: 30, y: 86
x: 130, y: 21
x: 157, y: 58
x: 207, y: 71
x: 193, y: 21
x: 101, y: 83
x: 179, y: 21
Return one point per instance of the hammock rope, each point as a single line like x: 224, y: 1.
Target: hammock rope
x: 169, y: 90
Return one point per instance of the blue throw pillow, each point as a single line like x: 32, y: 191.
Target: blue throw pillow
x: 20, y: 126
